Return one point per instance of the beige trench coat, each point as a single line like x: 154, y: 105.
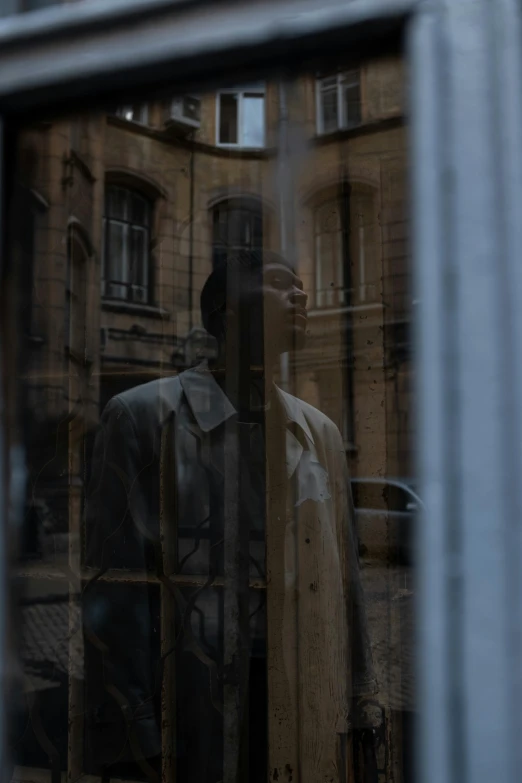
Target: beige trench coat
x: 318, y: 650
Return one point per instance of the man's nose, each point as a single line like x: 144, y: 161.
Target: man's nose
x: 298, y: 297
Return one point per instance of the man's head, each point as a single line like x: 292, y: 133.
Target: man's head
x: 259, y: 292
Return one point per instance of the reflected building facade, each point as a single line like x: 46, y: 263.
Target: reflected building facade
x: 122, y: 217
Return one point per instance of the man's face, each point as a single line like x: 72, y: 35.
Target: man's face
x: 276, y: 300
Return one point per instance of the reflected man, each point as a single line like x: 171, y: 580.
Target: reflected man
x: 234, y: 497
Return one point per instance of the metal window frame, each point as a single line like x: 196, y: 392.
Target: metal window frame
x: 465, y: 65
x: 338, y: 292
x: 128, y: 225
x: 236, y: 209
x: 258, y: 91
x: 342, y: 122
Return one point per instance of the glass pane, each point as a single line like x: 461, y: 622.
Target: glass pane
x: 116, y: 203
x: 116, y: 264
x: 139, y: 210
x: 350, y: 77
x: 237, y: 226
x: 329, y: 110
x: 326, y: 261
x: 141, y: 113
x: 116, y: 255
x: 197, y: 596
x: 352, y: 105
x: 257, y: 229
x: 139, y: 257
x: 228, y: 119
x: 330, y: 264
x: 253, y: 121
x: 364, y: 271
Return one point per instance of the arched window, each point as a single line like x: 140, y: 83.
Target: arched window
x: 237, y: 225
x: 126, y: 247
x: 329, y: 261
x: 345, y: 246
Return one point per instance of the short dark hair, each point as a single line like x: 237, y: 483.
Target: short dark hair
x: 213, y: 299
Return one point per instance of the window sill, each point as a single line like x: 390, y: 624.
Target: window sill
x: 239, y: 147
x: 241, y: 152
x: 164, y: 134
x: 131, y: 308
x: 364, y: 127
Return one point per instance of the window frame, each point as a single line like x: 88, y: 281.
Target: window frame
x: 461, y: 174
x: 342, y: 122
x: 259, y: 91
x: 339, y: 292
x: 128, y: 226
x: 237, y: 207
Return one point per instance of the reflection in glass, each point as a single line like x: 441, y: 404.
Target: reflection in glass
x: 228, y: 125
x: 126, y: 245
x: 253, y: 120
x: 339, y: 101
x: 215, y: 388
x: 237, y: 226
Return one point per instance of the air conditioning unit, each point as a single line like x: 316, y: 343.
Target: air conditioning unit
x: 184, y: 113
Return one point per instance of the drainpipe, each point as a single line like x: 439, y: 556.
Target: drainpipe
x: 283, y: 186
x: 191, y: 233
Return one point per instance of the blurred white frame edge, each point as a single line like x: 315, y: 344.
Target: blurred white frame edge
x: 42, y: 49
x: 465, y: 60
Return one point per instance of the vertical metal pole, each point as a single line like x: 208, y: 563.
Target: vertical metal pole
x: 425, y: 51
x: 191, y: 229
x: 236, y: 535
x: 466, y: 72
x: 283, y: 182
x: 293, y: 148
x: 347, y: 282
x: 506, y: 39
x: 6, y: 477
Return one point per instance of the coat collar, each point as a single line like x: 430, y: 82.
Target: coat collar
x: 209, y: 404
x: 211, y: 407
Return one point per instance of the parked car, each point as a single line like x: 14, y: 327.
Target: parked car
x: 385, y: 513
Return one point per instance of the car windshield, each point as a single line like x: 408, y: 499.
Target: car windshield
x: 384, y: 494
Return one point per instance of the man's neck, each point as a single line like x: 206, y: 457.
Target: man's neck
x: 248, y: 390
